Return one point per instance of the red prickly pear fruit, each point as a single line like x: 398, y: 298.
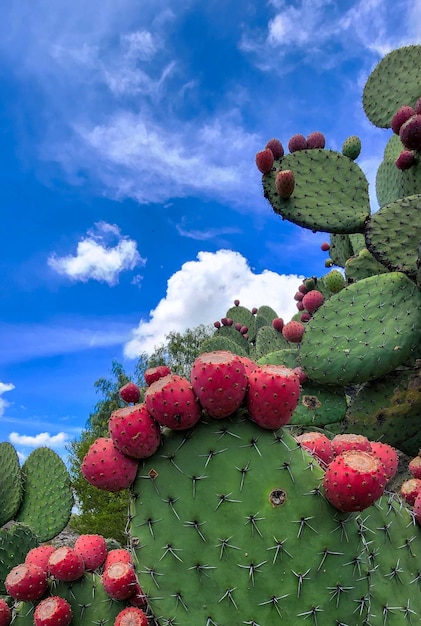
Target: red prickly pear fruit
x: 93, y: 550
x: 410, y: 489
x: 26, y: 582
x: 293, y: 331
x: 318, y: 445
x: 276, y: 147
x: 305, y: 317
x: 238, y: 326
x: 285, y: 183
x: 349, y: 441
x: 230, y: 322
x: 131, y: 616
x: 219, y: 381
x: 119, y: 580
x: 224, y: 321
x: 134, y: 431
x: 272, y: 395
x: 39, y: 556
x: 264, y: 160
x: 278, y: 324
x: 246, y: 336
x: 316, y: 140
x: 172, y: 402
x: 354, y: 480
x: 153, y: 374
x: 66, y: 564
x: 300, y: 306
x: 254, y: 310
x: 5, y: 613
x: 299, y: 295
x: 410, y: 133
x: 414, y: 467
x: 401, y: 116
x: 325, y: 247
x: 417, y: 509
x: 302, y: 376
x: 236, y: 302
x: 405, y: 160
x: 138, y: 598
x: 107, y: 468
x: 217, y: 324
x: 130, y: 393
x: 313, y: 300
x: 244, y: 330
x: 118, y: 555
x: 248, y: 364
x: 53, y: 610
x: 303, y: 288
x: 297, y: 142
x: 387, y: 455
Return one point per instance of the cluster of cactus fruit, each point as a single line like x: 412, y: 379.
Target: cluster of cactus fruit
x: 259, y: 486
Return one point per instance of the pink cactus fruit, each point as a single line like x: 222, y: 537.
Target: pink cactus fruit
x: 153, y: 374
x: 302, y: 376
x: 414, y: 467
x: 278, y: 324
x: 387, y: 455
x: 107, y: 468
x: 297, y: 142
x: 138, y: 598
x: 405, y: 160
x: 276, y: 147
x: 285, y: 183
x: 249, y: 365
x: 238, y: 326
x: 417, y: 508
x: 264, y: 160
x: 52, y: 611
x: 134, y: 431
x: 354, y: 480
x: 401, y: 116
x: 410, y: 489
x: 300, y: 305
x: 313, y: 300
x: 298, y: 295
x: 325, y: 247
x: 316, y: 140
x: 66, y: 564
x: 26, y: 582
x: 305, y: 317
x: 410, y: 133
x: 293, y: 331
x: 119, y: 580
x: 318, y: 445
x: 236, y: 302
x: 254, y: 310
x: 131, y: 616
x: 172, y: 402
x: 350, y: 441
x: 217, y: 324
x: 272, y: 396
x: 418, y: 106
x: 40, y: 555
x: 118, y: 555
x: 5, y: 613
x: 93, y: 550
x: 219, y: 381
x: 303, y: 288
x: 130, y: 393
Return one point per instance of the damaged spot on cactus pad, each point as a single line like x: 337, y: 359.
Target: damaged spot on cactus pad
x: 153, y: 473
x: 311, y: 402
x: 277, y: 497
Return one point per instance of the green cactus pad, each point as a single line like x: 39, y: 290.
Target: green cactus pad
x: 48, y: 500
x: 268, y: 340
x: 331, y: 192
x: 362, y: 266
x: 91, y: 606
x: 232, y: 528
x: 233, y: 335
x: 363, y: 332
x: 395, y: 81
x: 244, y: 317
x: 10, y: 482
x: 389, y: 410
x: 221, y: 342
x: 342, y: 247
x: 389, y: 185
x: 392, y: 234
x: 15, y: 544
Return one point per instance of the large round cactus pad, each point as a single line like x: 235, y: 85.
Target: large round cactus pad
x: 48, y: 497
x: 330, y: 195
x: 393, y: 233
x: 364, y: 331
x: 10, y: 482
x: 395, y: 81
x: 232, y: 528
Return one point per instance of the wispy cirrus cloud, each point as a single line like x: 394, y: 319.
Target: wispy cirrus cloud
x: 97, y: 259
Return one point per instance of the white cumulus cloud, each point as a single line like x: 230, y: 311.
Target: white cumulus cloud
x: 201, y: 292
x: 42, y: 439
x: 98, y: 259
x: 3, y: 388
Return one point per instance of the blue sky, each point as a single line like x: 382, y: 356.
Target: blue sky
x: 129, y: 198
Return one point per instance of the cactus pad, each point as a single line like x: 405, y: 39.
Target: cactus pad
x: 331, y: 192
x: 364, y: 331
x: 10, y: 482
x: 47, y: 504
x: 15, y: 544
x: 393, y: 83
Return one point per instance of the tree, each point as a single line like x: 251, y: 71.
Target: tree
x: 100, y: 511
